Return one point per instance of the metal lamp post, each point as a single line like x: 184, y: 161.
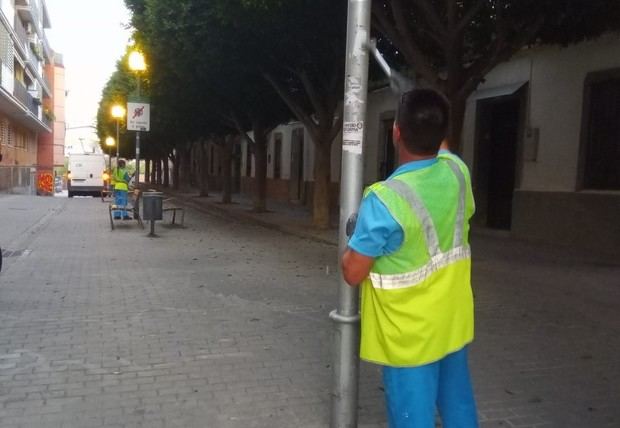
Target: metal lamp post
x: 118, y: 112
x: 137, y: 64
x: 109, y: 142
x: 346, y: 316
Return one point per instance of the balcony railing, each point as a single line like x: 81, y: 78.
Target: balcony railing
x: 47, y: 50
x: 47, y: 82
x: 22, y: 35
x: 30, y: 9
x: 21, y: 93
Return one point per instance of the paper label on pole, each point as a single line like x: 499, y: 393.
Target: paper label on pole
x: 352, y: 137
x: 138, y: 117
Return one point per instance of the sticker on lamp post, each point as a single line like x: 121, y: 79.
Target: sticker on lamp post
x: 138, y: 117
x: 352, y: 137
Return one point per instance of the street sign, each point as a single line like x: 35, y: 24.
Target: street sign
x: 138, y: 116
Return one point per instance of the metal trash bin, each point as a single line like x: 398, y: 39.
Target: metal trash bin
x: 152, y: 206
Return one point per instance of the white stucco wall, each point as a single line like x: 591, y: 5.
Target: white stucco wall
x: 556, y: 78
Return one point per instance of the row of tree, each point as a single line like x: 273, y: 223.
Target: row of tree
x: 224, y: 67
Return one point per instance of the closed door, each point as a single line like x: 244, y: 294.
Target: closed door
x: 499, y: 122
x: 296, y: 183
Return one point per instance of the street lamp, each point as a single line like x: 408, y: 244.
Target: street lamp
x: 109, y: 141
x: 118, y: 112
x: 137, y: 64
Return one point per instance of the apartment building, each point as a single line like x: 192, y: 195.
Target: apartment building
x: 26, y: 96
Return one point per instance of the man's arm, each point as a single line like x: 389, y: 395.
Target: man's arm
x: 355, y: 266
x: 376, y: 234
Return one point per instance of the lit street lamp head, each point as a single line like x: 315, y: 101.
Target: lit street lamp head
x: 118, y: 111
x: 136, y: 61
x: 109, y: 141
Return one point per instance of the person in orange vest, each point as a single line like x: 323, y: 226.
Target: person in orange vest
x: 410, y: 253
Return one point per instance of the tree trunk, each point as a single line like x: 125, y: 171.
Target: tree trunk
x: 175, y: 171
x: 226, y: 150
x: 204, y: 169
x: 260, y: 157
x: 147, y: 170
x: 166, y: 166
x: 185, y: 168
x: 158, y: 162
x: 322, y: 170
x: 458, y: 104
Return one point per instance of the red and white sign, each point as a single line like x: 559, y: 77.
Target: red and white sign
x: 138, y: 117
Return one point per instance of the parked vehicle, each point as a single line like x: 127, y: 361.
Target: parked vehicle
x: 85, y: 174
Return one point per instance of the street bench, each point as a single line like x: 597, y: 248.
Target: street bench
x: 106, y: 193
x: 174, y: 210
x: 134, y: 209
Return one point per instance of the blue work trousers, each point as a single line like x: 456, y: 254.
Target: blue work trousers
x: 120, y: 199
x: 413, y: 394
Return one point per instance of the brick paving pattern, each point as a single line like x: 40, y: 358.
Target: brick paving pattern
x: 224, y: 324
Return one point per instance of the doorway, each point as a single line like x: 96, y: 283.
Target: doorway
x: 499, y: 125
x: 387, y: 156
x: 296, y: 183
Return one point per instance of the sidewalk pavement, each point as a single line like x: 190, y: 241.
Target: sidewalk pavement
x: 224, y: 324
x: 282, y: 216
x: 297, y: 220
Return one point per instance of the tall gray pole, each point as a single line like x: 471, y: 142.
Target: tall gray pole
x: 346, y: 317
x: 118, y: 142
x: 137, y: 182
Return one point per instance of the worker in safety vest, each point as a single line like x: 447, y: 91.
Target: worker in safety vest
x: 410, y: 253
x: 120, y: 178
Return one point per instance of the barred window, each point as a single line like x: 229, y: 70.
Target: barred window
x: 4, y: 131
x: 20, y: 139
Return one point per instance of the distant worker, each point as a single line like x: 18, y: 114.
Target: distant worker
x: 410, y: 252
x: 120, y: 179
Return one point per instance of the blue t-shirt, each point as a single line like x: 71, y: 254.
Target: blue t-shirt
x: 376, y: 232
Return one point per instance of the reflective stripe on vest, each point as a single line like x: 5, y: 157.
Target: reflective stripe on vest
x: 438, y: 259
x: 418, y: 276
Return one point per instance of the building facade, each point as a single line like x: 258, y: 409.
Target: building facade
x: 541, y: 136
x: 26, y: 94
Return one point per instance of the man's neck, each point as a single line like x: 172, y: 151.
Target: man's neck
x: 405, y: 157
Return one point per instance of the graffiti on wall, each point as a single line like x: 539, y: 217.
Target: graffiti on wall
x: 45, y: 182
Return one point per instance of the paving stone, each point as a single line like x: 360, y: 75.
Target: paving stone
x: 116, y: 329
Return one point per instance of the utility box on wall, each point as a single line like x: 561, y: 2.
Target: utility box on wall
x: 530, y: 144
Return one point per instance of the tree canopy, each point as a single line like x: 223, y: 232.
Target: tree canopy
x: 452, y: 44
x: 218, y: 67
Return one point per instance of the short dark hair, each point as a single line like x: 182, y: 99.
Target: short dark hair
x: 423, y: 118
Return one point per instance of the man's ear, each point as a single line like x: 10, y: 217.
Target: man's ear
x: 395, y: 134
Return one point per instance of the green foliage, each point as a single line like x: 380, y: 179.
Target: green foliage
x: 121, y: 84
x: 433, y: 35
x: 453, y: 44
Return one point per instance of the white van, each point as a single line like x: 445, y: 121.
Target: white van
x: 86, y: 174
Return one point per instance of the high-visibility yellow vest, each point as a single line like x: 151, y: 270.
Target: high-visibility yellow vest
x: 118, y: 178
x: 417, y: 303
